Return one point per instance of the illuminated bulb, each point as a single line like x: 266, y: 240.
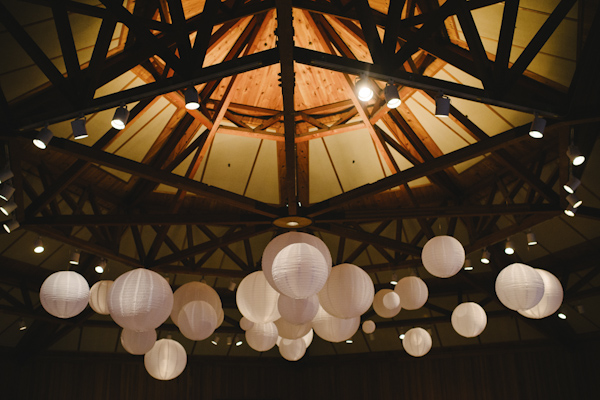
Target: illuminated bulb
x: 349, y: 341
x: 79, y: 130
x: 391, y: 96
x: 562, y: 316
x: 22, y: 325
x: 10, y: 226
x: 292, y: 223
x: 574, y: 200
x: 537, y: 128
x: 485, y: 257
x: 531, y: 239
x: 43, y: 138
x: 215, y: 341
x: 572, y: 185
x: 401, y: 336
x: 191, y: 99
x: 509, y: 247
x: 101, y: 266
x: 238, y: 343
x: 75, y: 257
x: 570, y: 211
x: 576, y: 156
x: 38, y: 246
x: 120, y: 118
x: 394, y: 280
x: 468, y: 265
x: 364, y: 92
x: 8, y: 207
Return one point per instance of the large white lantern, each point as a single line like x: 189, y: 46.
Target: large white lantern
x: 246, y: 324
x: 138, y: 343
x: 299, y: 270
x: 166, y: 360
x: 98, y: 296
x: 308, y: 338
x: 469, y: 319
x: 380, y: 307
x: 348, y: 293
x: 298, y: 311
x: 197, y: 320
x: 551, y: 300
x: 140, y: 300
x: 519, y: 287
x: 262, y: 337
x: 334, y: 329
x: 194, y: 291
x: 413, y: 292
x: 292, y: 350
x: 368, y: 327
x: 64, y: 294
x: 256, y: 299
x: 417, y: 342
x: 443, y: 256
x: 291, y: 331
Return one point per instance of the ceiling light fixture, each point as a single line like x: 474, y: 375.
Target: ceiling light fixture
x: 8, y: 207
x: 570, y: 211
x: 22, y: 325
x: 43, y: 138
x: 562, y: 315
x: 6, y: 174
x: 38, y: 246
x: 575, y: 155
x: 363, y: 88
x: 485, y: 256
x: 572, y: 185
x: 349, y: 341
x: 6, y: 191
x: 100, y: 266
x: 75, y: 255
x: 531, y: 239
x: 192, y: 102
x: 229, y: 340
x: 468, y: 265
x: 401, y: 336
x: 215, y: 341
x: 238, y: 343
x: 232, y: 285
x: 120, y: 118
x: 78, y: 127
x: 442, y: 105
x: 574, y: 200
x: 11, y: 225
x: 537, y: 127
x: 392, y: 97
x: 394, y: 280
x: 509, y: 247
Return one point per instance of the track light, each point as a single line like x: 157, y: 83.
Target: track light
x: 100, y: 266
x: 577, y: 158
x: 468, y: 265
x: 43, y: 138
x: 75, y: 257
x: 394, y: 280
x: 363, y: 88
x: 22, y: 325
x: 485, y: 256
x: 562, y: 315
x: 572, y: 185
x: 79, y: 130
x: 11, y: 225
x: 537, y: 127
x: 191, y: 99
x: 8, y: 207
x: 531, y: 239
x: 509, y: 247
x: 232, y: 285
x: 391, y: 96
x: 442, y: 106
x: 6, y: 191
x: 349, y: 341
x: 215, y: 341
x: 574, y: 200
x: 229, y: 340
x: 570, y: 211
x: 239, y: 343
x: 120, y: 118
x: 38, y: 246
x: 401, y: 336
x: 6, y: 174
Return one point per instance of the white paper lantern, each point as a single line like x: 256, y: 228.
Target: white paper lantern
x: 197, y: 320
x: 348, y: 293
x: 262, y: 337
x: 292, y: 350
x: 256, y: 299
x: 291, y: 331
x: 299, y: 270
x: 140, y: 300
x: 298, y: 311
x: 246, y: 324
x: 413, y: 292
x: 368, y: 327
x: 519, y: 287
x: 195, y: 291
x: 379, y: 306
x: 551, y: 300
x: 391, y: 300
x: 417, y: 342
x: 138, y: 343
x: 166, y: 360
x: 220, y: 317
x: 334, y: 329
x: 98, y: 296
x: 469, y: 319
x: 308, y: 338
x: 64, y: 294
x: 443, y: 256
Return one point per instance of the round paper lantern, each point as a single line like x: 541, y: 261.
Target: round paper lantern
x: 98, y: 296
x: 348, y: 292
x: 413, y: 292
x: 282, y: 241
x: 334, y: 329
x: 298, y: 311
x: 417, y: 342
x: 291, y: 331
x: 256, y: 299
x: 368, y: 327
x: 220, y: 317
x: 262, y: 337
x: 391, y: 300
x: 308, y: 338
x: 519, y: 287
x: 292, y: 350
x: 469, y: 319
x: 379, y: 306
x: 140, y: 300
x: 246, y: 324
x: 197, y: 320
x: 138, y: 343
x: 443, y: 256
x: 64, y: 294
x: 194, y: 291
x: 551, y: 300
x: 166, y: 360
x: 299, y: 271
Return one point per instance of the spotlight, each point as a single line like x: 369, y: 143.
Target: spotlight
x: 75, y: 257
x: 8, y: 207
x: 391, y: 96
x: 537, y: 127
x: 570, y: 211
x: 485, y: 256
x: 10, y: 226
x: 576, y: 156
x: 349, y: 341
x: 22, y: 325
x: 401, y: 337
x: 6, y: 174
x: 394, y: 280
x: 468, y: 265
x: 6, y: 191
x: 238, y: 343
x: 79, y: 130
x: 232, y: 285
x: 531, y: 239
x: 191, y: 99
x: 43, y: 138
x: 215, y: 341
x: 120, y: 118
x: 572, y: 185
x: 229, y: 340
x: 363, y: 88
x: 574, y: 200
x: 442, y: 106
x: 38, y: 246
x: 562, y: 315
x: 101, y: 266
x: 509, y: 247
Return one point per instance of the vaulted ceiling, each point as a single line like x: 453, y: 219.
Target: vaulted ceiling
x: 280, y: 135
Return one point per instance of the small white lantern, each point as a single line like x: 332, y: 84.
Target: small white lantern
x: 298, y: 311
x: 194, y: 291
x: 64, y: 294
x: 246, y: 324
x: 348, y: 293
x: 291, y: 331
x: 292, y: 350
x: 166, y: 360
x: 197, y: 320
x: 443, y: 256
x: 519, y: 287
x: 368, y: 327
x: 469, y: 319
x: 379, y: 306
x: 98, y: 296
x: 138, y: 343
x: 262, y: 337
x: 417, y: 342
x: 256, y: 299
x: 140, y: 300
x: 334, y: 329
x: 551, y: 300
x: 413, y: 292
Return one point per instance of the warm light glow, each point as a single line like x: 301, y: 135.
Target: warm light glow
x: 468, y: 265
x: 43, y: 138
x: 364, y: 92
x: 391, y: 96
x: 238, y: 343
x: 562, y: 316
x: 485, y: 257
x: 75, y: 258
x: 215, y: 341
x: 570, y: 211
x: 120, y: 118
x: 509, y: 247
x: 576, y: 157
x: 38, y: 249
x: 537, y: 128
x: 292, y: 223
x: 572, y: 185
x: 401, y: 336
x: 574, y: 200
x: 191, y: 99
x: 531, y: 239
x: 349, y: 341
x: 8, y: 207
x: 394, y: 280
x: 99, y: 269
